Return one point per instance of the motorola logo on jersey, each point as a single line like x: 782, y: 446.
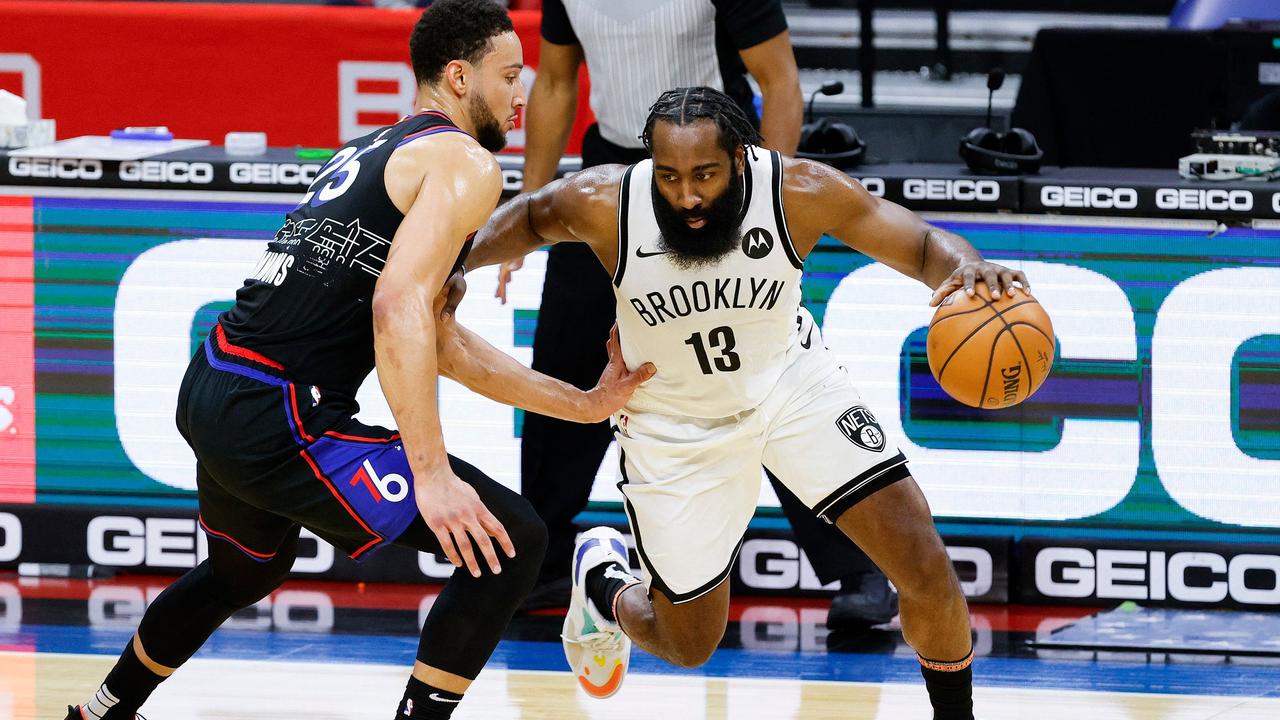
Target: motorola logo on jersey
x: 860, y: 426
x: 757, y: 242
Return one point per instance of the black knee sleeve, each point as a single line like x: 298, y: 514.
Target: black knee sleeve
x: 468, y: 618
x: 189, y: 610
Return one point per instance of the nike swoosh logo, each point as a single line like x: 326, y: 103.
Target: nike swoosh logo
x: 437, y: 698
x: 808, y: 339
x: 642, y: 254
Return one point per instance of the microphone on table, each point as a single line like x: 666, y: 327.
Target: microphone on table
x: 828, y: 141
x: 832, y: 88
x: 995, y: 80
x: 986, y: 150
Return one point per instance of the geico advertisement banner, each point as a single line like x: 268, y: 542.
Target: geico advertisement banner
x: 169, y: 542
x: 304, y: 75
x: 1163, y: 411
x: 1175, y: 573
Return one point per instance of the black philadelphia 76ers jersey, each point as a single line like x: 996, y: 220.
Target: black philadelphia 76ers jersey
x: 308, y: 304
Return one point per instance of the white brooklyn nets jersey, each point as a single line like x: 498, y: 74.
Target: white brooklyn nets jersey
x: 720, y: 334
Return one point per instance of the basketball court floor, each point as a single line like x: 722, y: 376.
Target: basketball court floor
x: 330, y: 650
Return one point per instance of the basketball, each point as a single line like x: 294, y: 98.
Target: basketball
x: 990, y: 354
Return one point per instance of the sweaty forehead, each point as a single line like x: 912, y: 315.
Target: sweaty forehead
x: 504, y: 51
x: 687, y: 146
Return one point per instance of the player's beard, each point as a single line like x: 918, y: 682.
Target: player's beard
x: 488, y: 130
x: 720, y: 234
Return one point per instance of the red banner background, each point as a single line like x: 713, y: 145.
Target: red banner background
x: 204, y: 69
x: 17, y: 353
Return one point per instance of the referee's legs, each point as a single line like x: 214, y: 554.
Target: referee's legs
x: 559, y: 460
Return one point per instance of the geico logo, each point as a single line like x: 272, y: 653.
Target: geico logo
x: 60, y: 168
x: 974, y: 567
x: 1192, y: 354
x: 1200, y: 199
x: 775, y: 564
x: 245, y: 173
x: 1069, y: 196
x: 10, y: 537
x: 979, y: 190
x: 289, y: 610
x: 302, y: 611
x: 119, y: 606
x: 873, y: 185
x: 1193, y: 577
x: 175, y: 171
x: 155, y: 542
x: 123, y: 541
x: 783, y: 629
x: 512, y: 180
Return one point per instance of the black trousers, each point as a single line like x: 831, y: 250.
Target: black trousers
x: 559, y: 459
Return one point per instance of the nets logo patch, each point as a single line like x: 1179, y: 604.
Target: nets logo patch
x: 757, y: 242
x: 860, y: 426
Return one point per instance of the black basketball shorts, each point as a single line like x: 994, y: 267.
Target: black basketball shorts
x: 272, y: 453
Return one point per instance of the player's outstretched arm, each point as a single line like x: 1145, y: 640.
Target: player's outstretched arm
x: 452, y: 198
x: 824, y: 200
x: 467, y: 358
x: 582, y: 207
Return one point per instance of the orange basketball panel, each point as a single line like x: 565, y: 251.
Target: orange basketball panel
x: 1008, y: 380
x: 1038, y: 350
x: 958, y: 357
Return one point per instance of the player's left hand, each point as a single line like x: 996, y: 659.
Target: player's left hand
x: 999, y: 279
x: 616, y: 384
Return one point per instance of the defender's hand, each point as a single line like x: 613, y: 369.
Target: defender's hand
x: 450, y: 296
x: 504, y: 276
x: 999, y: 280
x: 616, y: 384
x: 455, y: 513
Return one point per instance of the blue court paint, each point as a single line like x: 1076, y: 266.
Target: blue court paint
x: 1183, y: 676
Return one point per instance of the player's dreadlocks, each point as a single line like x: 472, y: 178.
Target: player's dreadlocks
x: 683, y: 106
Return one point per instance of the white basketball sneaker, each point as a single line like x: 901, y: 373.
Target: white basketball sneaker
x: 597, y: 649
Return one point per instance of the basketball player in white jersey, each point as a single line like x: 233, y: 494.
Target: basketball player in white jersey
x: 705, y: 243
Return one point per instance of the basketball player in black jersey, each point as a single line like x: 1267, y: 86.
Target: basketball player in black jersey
x: 355, y: 276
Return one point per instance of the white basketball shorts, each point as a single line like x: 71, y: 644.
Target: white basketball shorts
x: 691, y: 485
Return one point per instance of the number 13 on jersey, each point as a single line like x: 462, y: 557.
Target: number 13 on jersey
x: 721, y: 339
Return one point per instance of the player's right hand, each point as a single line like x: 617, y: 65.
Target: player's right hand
x: 504, y: 276
x: 457, y: 516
